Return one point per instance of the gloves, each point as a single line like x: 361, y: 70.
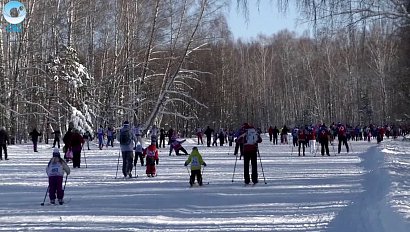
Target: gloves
x: 134, y: 148
x: 185, y: 164
x: 156, y: 161
x: 204, y: 164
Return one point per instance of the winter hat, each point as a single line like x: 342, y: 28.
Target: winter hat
x: 194, y: 148
x: 126, y: 123
x: 56, y: 152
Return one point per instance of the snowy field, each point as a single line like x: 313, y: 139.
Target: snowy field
x: 365, y: 190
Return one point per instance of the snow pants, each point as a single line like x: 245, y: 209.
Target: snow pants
x: 55, y: 185
x: 127, y: 158
x: 250, y: 157
x: 342, y: 139
x: 198, y: 175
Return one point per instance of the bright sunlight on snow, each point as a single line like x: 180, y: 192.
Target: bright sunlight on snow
x: 364, y: 190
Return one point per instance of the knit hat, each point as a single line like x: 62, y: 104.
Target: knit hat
x: 126, y: 123
x: 56, y: 152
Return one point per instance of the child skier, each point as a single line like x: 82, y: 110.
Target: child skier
x: 151, y: 154
x: 176, y: 145
x: 55, y: 171
x: 196, y: 161
x: 139, y: 154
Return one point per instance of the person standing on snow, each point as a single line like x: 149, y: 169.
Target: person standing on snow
x: 250, y: 140
x: 77, y: 142
x: 199, y: 135
x: 208, y: 132
x: 34, y: 137
x: 342, y: 137
x: 151, y: 154
x: 57, y: 135
x: 139, y: 153
x: 55, y: 172
x: 138, y: 133
x: 100, y: 135
x: 195, y: 159
x: 162, y: 138
x: 4, y: 141
x: 127, y: 141
x: 270, y: 132
x: 324, y: 136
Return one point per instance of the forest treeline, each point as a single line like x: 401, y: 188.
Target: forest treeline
x: 176, y: 64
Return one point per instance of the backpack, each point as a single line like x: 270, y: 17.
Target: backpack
x: 251, y: 136
x: 125, y: 138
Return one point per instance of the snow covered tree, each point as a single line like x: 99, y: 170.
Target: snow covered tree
x: 72, y: 84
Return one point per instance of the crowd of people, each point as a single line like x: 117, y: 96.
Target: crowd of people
x: 246, y: 140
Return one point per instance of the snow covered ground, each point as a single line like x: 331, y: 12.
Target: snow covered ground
x: 365, y: 190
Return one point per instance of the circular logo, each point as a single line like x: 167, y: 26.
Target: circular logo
x: 14, y: 12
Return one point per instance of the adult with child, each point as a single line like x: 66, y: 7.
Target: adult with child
x: 195, y: 159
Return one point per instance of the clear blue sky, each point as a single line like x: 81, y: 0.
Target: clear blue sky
x: 263, y: 19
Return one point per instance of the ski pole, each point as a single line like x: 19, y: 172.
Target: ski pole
x: 118, y: 163
x: 85, y: 158
x: 260, y: 160
x: 236, y: 160
x: 202, y: 175
x: 65, y: 182
x: 44, y: 200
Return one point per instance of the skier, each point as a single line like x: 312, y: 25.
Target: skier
x: 151, y: 154
x: 238, y: 145
x: 199, y: 135
x: 100, y: 135
x: 221, y: 137
x: 275, y: 135
x: 57, y: 135
x: 154, y: 135
x: 195, y: 159
x: 295, y: 133
x: 170, y: 135
x: 208, y: 132
x: 55, y: 172
x: 87, y: 137
x: 110, y: 137
x: 127, y: 140
x: 341, y: 135
x: 215, y: 141
x: 284, y: 135
x: 311, y: 136
x: 34, y: 137
x: 139, y: 153
x: 270, y: 132
x: 138, y: 133
x: 77, y: 143
x: 250, y: 140
x: 4, y: 141
x: 162, y: 138
x: 324, y: 135
x: 67, y: 140
x: 302, y: 140
x: 176, y: 145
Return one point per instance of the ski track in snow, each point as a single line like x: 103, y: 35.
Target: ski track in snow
x: 365, y: 190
